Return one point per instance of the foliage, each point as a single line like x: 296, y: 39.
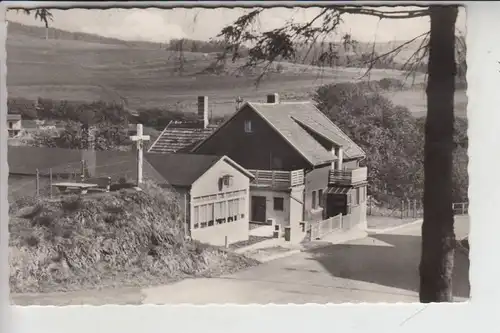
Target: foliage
x: 391, y: 137
x: 319, y: 42
x: 192, y: 45
x: 107, y: 136
x: 159, y: 118
x: 125, y: 238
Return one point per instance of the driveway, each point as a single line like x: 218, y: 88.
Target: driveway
x: 378, y: 268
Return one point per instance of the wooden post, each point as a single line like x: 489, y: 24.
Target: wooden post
x: 185, y: 217
x: 463, y: 208
x: 82, y: 169
x: 402, y: 208
x: 50, y: 181
x: 37, y: 182
x: 139, y: 138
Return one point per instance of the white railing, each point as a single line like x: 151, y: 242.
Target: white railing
x: 320, y: 229
x: 460, y: 208
x: 275, y: 178
x: 348, y: 177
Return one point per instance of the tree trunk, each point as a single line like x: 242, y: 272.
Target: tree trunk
x: 438, y: 237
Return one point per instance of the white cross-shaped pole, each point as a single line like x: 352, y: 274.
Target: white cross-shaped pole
x: 140, y: 138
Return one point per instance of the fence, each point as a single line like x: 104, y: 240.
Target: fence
x: 40, y: 184
x: 408, y: 209
x: 460, y: 208
x: 322, y: 228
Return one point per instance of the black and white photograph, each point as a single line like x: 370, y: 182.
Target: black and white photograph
x: 237, y: 155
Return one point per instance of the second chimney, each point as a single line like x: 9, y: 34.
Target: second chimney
x: 273, y: 98
x: 203, y: 110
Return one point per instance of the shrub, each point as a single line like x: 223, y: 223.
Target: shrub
x: 392, y: 139
x: 105, y: 239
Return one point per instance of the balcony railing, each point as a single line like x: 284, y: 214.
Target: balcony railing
x: 349, y: 176
x: 277, y: 179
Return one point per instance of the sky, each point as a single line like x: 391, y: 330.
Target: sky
x: 161, y: 25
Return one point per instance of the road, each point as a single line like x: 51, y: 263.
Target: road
x: 379, y: 268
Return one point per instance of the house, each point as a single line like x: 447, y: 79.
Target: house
x: 182, y: 135
x: 215, y: 190
x: 14, y: 124
x: 289, y: 137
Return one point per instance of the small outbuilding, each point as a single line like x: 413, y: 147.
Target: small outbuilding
x: 215, y: 194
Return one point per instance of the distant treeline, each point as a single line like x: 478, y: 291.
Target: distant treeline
x: 95, y: 112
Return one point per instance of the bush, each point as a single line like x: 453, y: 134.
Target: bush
x: 391, y: 137
x: 126, y: 237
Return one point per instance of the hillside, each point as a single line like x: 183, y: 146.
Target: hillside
x: 84, y: 67
x: 127, y: 238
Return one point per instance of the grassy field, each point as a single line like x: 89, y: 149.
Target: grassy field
x: 145, y: 76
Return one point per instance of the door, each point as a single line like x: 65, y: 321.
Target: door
x: 258, y: 209
x: 336, y: 204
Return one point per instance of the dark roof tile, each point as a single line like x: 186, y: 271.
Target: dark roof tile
x: 180, y: 136
x: 294, y: 119
x: 181, y: 169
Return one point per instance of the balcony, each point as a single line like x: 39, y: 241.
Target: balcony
x: 277, y: 179
x: 348, y: 176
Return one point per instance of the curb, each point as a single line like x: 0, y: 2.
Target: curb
x: 279, y: 256
x: 378, y: 231
x: 327, y: 243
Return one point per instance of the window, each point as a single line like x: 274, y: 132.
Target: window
x: 242, y: 208
x: 313, y: 198
x: 10, y: 125
x: 236, y: 208
x: 230, y: 210
x: 196, y: 217
x: 248, y: 126
x: 220, y: 212
x: 203, y: 216
x: 320, y: 198
x: 279, y: 204
x: 210, y: 214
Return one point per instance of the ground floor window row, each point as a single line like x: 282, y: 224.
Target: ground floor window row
x: 218, y: 196
x: 207, y: 215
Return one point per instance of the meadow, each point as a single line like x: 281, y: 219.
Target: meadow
x: 144, y: 76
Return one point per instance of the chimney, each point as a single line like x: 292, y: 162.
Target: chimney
x: 203, y: 110
x: 273, y: 98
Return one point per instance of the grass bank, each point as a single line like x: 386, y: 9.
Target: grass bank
x: 125, y: 238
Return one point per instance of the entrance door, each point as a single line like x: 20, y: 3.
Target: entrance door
x: 258, y: 209
x: 336, y: 204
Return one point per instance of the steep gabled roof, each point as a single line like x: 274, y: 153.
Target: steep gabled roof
x: 180, y: 136
x: 287, y: 118
x: 295, y: 122
x: 181, y: 169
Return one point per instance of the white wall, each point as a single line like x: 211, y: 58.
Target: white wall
x: 281, y: 217
x: 208, y: 184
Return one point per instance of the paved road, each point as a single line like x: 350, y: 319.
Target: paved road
x: 379, y: 268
